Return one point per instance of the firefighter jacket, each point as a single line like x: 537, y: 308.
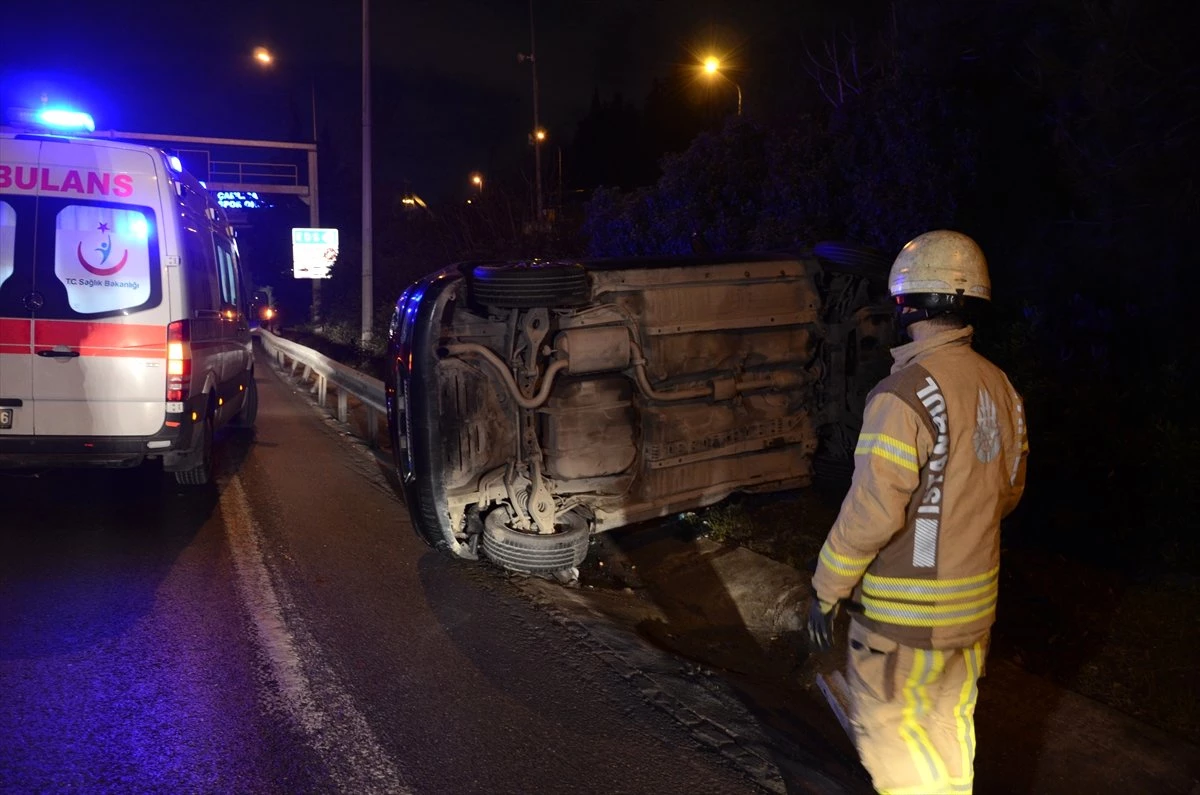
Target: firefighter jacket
x: 939, y: 462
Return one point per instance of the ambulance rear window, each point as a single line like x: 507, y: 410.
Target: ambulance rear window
x: 8, y: 240
x: 102, y: 256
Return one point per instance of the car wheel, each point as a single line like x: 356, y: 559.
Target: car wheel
x: 201, y: 473
x: 248, y: 413
x: 853, y: 259
x: 536, y: 553
x: 529, y: 285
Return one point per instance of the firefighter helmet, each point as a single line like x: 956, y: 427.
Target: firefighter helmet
x: 939, y: 272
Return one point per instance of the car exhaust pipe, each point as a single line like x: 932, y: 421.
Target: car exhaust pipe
x: 543, y: 393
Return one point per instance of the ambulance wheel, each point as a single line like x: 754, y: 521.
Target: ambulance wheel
x: 249, y: 410
x: 201, y: 473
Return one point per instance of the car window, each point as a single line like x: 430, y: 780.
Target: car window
x: 8, y: 240
x: 226, y: 270
x: 102, y: 256
x: 200, y: 271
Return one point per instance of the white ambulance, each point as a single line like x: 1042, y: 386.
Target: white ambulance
x: 124, y: 333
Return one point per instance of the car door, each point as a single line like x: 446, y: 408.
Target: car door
x: 235, y: 326
x: 97, y: 302
x: 16, y: 323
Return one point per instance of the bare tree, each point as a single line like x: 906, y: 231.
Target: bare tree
x: 838, y: 72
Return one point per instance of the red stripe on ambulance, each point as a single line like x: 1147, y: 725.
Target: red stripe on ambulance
x: 101, y: 339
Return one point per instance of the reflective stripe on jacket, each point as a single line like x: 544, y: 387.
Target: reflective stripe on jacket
x: 940, y: 461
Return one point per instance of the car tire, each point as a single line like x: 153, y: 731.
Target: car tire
x: 530, y: 285
x: 853, y: 259
x: 535, y: 553
x: 248, y: 413
x: 200, y: 474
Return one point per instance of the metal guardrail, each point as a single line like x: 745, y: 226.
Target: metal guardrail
x: 347, y: 382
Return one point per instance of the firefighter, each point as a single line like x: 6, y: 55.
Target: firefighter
x: 914, y: 553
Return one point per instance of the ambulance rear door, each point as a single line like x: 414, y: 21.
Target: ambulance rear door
x: 98, y: 305
x: 18, y: 159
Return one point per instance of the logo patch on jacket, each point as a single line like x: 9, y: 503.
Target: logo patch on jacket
x: 929, y: 512
x: 986, y: 437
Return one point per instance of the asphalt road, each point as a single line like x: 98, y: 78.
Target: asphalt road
x: 287, y: 632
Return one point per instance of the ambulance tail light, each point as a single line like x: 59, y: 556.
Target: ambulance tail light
x: 179, y: 361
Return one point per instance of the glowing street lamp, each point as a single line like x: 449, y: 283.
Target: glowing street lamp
x: 267, y: 59
x: 477, y: 181
x: 539, y: 135
x: 712, y: 67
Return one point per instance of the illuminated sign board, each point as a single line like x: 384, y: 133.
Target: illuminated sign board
x: 313, y: 252
x: 241, y: 200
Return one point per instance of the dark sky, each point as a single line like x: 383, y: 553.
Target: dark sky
x: 450, y: 95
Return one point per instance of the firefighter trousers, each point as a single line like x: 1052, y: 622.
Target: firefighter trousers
x: 913, y: 712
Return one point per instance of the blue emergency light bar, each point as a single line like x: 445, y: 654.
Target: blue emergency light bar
x: 66, y: 119
x: 54, y: 119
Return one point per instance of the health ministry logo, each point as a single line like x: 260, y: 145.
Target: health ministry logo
x: 105, y: 249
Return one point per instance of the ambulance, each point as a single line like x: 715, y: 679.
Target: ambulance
x: 124, y: 332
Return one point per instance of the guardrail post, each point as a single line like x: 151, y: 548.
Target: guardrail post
x: 319, y: 370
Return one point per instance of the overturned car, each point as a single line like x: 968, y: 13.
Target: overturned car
x: 531, y: 404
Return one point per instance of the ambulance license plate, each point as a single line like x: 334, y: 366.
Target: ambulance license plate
x: 5, y: 418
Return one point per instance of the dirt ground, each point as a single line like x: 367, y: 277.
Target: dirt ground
x: 1123, y: 640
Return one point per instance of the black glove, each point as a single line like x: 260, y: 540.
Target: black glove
x: 820, y: 624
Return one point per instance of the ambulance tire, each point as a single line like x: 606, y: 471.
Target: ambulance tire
x: 249, y: 411
x: 201, y: 473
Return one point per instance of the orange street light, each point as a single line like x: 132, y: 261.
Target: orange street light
x: 540, y: 135
x: 712, y: 67
x: 267, y: 59
x: 477, y: 181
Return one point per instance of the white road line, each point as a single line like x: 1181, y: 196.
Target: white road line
x: 310, y: 691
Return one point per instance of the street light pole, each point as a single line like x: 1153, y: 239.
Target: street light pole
x: 312, y: 87
x: 368, y: 299
x: 537, y: 127
x: 267, y: 59
x: 712, y: 66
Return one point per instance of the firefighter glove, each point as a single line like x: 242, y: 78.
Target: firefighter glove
x: 820, y: 624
